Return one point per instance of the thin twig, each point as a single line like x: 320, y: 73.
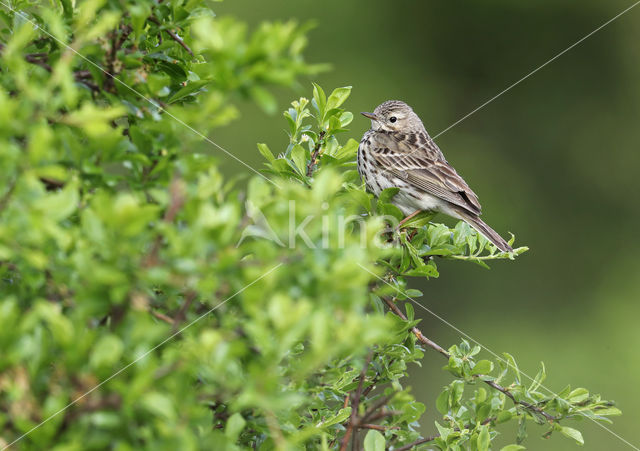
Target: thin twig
x: 274, y: 428
x: 367, y: 416
x: 4, y: 200
x: 315, y: 154
x: 176, y: 201
x: 382, y: 414
x: 419, y: 335
x: 182, y: 313
x: 39, y: 59
x: 418, y: 442
x: 354, y: 407
x: 163, y: 317
x: 433, y: 437
x: 116, y: 44
x: 42, y: 59
x: 424, y: 340
x: 174, y: 36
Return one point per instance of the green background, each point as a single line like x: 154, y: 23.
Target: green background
x: 555, y: 160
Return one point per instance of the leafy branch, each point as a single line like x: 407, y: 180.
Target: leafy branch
x: 411, y: 252
x: 117, y: 229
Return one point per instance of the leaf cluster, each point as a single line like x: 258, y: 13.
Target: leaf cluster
x: 149, y: 302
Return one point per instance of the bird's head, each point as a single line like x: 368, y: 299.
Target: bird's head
x: 394, y: 116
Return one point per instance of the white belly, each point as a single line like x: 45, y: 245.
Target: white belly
x: 426, y: 202
x: 379, y: 180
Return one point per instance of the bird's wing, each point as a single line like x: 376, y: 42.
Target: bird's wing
x: 418, y: 161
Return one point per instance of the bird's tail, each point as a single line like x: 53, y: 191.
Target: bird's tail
x: 484, y: 229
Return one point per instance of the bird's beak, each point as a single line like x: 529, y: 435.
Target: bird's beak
x: 370, y: 116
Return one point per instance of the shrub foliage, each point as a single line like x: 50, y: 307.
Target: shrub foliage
x: 146, y: 301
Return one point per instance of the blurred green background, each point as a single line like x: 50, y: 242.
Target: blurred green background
x: 556, y: 161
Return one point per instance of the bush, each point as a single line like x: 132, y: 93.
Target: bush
x: 148, y: 302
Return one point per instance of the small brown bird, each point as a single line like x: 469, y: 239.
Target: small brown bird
x: 397, y: 152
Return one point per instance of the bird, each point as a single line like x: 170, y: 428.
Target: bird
x: 397, y: 152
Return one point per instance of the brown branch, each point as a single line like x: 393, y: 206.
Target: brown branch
x: 424, y: 340
x: 39, y: 59
x: 51, y: 184
x: 418, y: 442
x: 355, y: 403
x: 182, y: 313
x: 116, y: 44
x: 163, y: 317
x: 367, y: 416
x: 526, y: 405
x: 174, y: 36
x: 374, y: 413
x: 4, y: 200
x: 93, y: 403
x: 315, y: 154
x: 88, y: 83
x: 374, y: 381
x: 421, y: 338
x: 42, y: 59
x: 382, y: 414
x: 176, y: 191
x: 176, y: 201
x: 433, y: 437
x: 274, y: 428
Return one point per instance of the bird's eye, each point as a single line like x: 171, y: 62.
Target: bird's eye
x: 393, y: 119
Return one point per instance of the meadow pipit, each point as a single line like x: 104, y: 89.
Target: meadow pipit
x: 397, y: 152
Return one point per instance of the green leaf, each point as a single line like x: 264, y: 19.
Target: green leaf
x: 608, y: 411
x: 423, y: 271
x: 540, y: 377
x: 374, y: 441
x: 338, y: 97
x: 340, y: 417
x: 361, y: 198
x: 578, y: 395
x: 192, y: 88
x: 235, y: 424
x: 60, y: 205
x: 139, y: 13
x: 410, y: 312
x: 320, y: 99
x: 443, y: 431
x: 522, y: 429
x: 572, y: 433
x: 299, y: 157
x: 420, y: 220
x: 438, y: 234
x: 512, y: 448
x: 484, y: 439
x: 106, y: 352
x: 482, y: 367
x: 442, y: 402
x: 345, y: 119
x: 503, y: 417
x: 175, y: 71
x: 511, y: 362
x: 264, y: 99
x: 159, y: 404
x: 349, y: 150
x: 266, y: 152
x: 387, y: 194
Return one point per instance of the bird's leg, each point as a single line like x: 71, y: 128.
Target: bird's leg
x: 415, y: 213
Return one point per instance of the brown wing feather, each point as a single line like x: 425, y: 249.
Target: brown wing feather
x: 421, y: 163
